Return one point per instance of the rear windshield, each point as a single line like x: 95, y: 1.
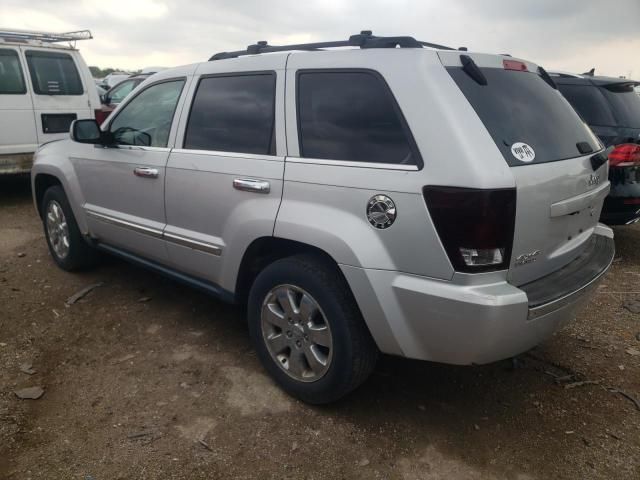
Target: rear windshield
x: 625, y: 103
x: 524, y: 114
x: 590, y: 103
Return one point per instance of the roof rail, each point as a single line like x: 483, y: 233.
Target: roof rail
x: 46, y: 37
x: 365, y: 39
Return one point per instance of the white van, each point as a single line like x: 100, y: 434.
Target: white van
x: 44, y: 86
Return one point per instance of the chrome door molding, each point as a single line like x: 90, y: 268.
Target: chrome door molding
x: 156, y: 233
x: 191, y: 243
x: 136, y: 227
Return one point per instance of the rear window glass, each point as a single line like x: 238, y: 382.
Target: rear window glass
x: 625, y: 103
x: 520, y: 107
x: 11, y: 79
x: 590, y: 103
x: 53, y: 73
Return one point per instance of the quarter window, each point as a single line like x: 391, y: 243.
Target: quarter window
x: 146, y: 119
x: 233, y: 113
x: 351, y: 116
x: 53, y: 73
x: 11, y: 78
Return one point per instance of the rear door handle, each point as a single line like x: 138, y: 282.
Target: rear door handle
x: 145, y: 172
x: 251, y: 185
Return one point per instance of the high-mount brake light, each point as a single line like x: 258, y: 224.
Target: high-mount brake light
x: 625, y: 155
x: 515, y: 65
x: 475, y: 225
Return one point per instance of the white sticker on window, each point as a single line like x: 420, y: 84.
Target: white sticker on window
x: 523, y: 152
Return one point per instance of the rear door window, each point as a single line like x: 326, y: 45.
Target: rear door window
x: 625, y: 103
x: 520, y: 107
x: 351, y: 115
x: 11, y: 78
x: 233, y: 113
x: 590, y: 103
x: 53, y: 73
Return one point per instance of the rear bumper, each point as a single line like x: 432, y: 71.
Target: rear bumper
x: 463, y: 322
x: 16, y: 163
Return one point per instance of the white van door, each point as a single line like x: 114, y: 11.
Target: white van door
x: 58, y: 91
x: 17, y: 123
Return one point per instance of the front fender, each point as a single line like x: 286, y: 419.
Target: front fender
x: 53, y: 159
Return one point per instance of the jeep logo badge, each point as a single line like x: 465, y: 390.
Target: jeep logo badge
x: 593, y: 180
x: 381, y: 211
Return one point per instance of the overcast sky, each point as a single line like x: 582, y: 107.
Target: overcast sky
x: 572, y: 35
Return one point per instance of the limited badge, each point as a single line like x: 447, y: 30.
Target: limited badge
x: 523, y: 152
x: 381, y: 211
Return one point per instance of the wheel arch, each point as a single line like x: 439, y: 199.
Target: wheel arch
x: 266, y: 250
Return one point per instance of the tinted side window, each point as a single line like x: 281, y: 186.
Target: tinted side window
x: 53, y: 73
x: 589, y: 103
x: 146, y: 119
x: 11, y: 78
x: 233, y: 114
x: 351, y: 116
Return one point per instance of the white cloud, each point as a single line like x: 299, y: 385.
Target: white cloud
x: 568, y: 34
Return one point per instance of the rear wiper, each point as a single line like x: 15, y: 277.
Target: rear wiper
x: 547, y: 78
x: 471, y: 69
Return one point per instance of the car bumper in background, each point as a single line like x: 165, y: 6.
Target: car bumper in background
x: 466, y: 323
x: 14, y: 163
x: 622, y: 206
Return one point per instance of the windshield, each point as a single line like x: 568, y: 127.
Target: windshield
x: 529, y: 121
x: 625, y: 103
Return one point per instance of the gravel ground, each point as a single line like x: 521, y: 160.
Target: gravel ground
x: 144, y: 378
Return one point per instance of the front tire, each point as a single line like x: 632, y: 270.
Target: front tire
x: 68, y: 248
x: 308, y: 331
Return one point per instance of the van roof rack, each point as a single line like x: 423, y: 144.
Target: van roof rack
x: 365, y: 39
x: 45, y: 37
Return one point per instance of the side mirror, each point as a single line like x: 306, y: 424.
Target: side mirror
x: 86, y: 131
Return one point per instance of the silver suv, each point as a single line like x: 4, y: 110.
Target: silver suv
x: 397, y: 197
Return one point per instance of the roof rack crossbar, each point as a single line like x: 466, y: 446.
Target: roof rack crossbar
x: 363, y: 40
x: 46, y: 37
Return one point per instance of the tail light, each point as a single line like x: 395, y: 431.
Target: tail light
x: 100, y: 115
x: 475, y: 226
x: 625, y: 155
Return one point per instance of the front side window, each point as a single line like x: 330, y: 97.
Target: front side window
x: 233, y: 113
x: 118, y: 93
x: 53, y: 73
x: 11, y: 78
x: 351, y: 115
x: 146, y: 119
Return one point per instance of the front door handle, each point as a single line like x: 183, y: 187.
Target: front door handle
x: 251, y: 185
x: 145, y: 172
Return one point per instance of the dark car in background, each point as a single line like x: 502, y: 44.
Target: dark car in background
x: 611, y: 107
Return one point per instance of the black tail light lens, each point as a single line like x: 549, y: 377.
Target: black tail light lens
x: 475, y: 225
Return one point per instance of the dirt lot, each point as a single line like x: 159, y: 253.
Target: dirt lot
x: 145, y: 378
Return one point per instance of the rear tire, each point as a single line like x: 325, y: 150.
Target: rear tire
x: 308, y: 331
x: 66, y: 244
